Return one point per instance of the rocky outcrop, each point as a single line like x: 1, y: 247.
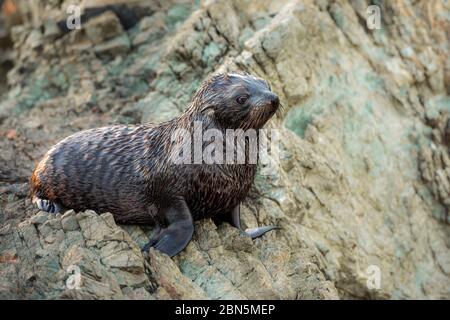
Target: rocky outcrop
x: 87, y: 256
x: 361, y: 183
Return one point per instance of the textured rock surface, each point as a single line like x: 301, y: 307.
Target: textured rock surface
x: 363, y: 178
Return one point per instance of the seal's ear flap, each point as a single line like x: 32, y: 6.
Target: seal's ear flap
x: 208, y: 110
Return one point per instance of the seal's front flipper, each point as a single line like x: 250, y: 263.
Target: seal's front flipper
x: 180, y: 227
x: 234, y: 218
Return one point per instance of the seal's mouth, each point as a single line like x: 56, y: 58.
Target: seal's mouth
x: 264, y: 110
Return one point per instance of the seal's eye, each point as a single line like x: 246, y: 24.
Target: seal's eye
x: 242, y: 99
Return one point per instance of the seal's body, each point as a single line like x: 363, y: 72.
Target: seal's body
x: 130, y: 170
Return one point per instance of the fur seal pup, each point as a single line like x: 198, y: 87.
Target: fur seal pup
x: 128, y: 170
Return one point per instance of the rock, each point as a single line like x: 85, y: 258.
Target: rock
x: 118, y: 45
x: 51, y: 30
x: 100, y: 260
x: 103, y: 27
x: 150, y: 29
x: 171, y: 280
x: 69, y: 221
x: 82, y: 266
x: 166, y: 110
x: 34, y: 39
x: 40, y: 218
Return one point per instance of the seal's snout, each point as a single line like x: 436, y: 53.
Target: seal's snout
x: 274, y: 100
x: 271, y: 100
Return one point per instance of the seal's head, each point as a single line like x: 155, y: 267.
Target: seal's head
x: 237, y: 101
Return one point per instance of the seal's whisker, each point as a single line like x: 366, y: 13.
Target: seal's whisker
x: 280, y: 111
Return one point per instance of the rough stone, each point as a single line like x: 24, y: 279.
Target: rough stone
x: 103, y: 27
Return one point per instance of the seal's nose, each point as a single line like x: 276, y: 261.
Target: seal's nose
x: 274, y: 100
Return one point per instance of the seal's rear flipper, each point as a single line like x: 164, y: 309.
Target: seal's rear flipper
x: 258, y: 232
x: 47, y: 205
x: 234, y: 218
